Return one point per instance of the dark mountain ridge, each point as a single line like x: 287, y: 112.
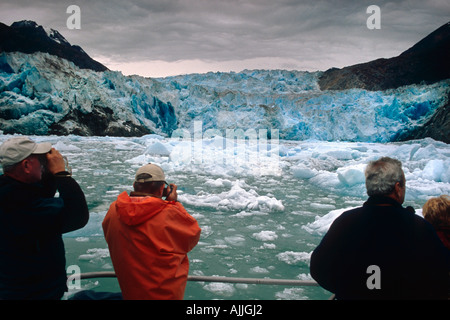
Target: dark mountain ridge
x: 427, y: 62
x: 29, y: 37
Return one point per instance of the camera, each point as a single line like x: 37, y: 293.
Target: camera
x: 44, y: 163
x: 43, y: 160
x: 167, y: 190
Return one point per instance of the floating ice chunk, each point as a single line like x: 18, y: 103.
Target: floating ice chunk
x: 352, y: 175
x: 249, y: 213
x: 61, y: 146
x: 237, y: 198
x: 236, y: 240
x: 341, y: 154
x: 425, y: 153
x: 82, y: 239
x: 181, y: 153
x: 322, y: 224
x: 152, y: 136
x: 218, y: 182
x: 316, y: 205
x: 259, y: 270
x: 268, y: 246
x: 95, y: 255
x: 424, y: 189
x: 265, y: 236
x: 406, y: 152
x: 291, y: 294
x: 140, y: 159
x: 302, y: 171
x: 293, y: 258
x: 445, y: 177
x: 435, y: 170
x: 326, y: 179
x: 221, y: 289
x: 158, y: 148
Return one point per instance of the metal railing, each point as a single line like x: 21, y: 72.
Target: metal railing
x: 288, y: 282
x: 266, y: 281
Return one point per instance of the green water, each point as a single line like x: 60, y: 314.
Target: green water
x: 265, y: 242
x: 229, y: 244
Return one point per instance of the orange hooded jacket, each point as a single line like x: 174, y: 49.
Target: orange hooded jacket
x: 148, y: 240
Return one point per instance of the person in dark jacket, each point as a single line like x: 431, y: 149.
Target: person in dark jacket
x: 382, y: 250
x: 32, y: 219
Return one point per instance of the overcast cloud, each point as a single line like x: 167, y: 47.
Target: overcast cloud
x: 168, y: 37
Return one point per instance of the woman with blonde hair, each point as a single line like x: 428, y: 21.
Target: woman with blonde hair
x: 437, y: 212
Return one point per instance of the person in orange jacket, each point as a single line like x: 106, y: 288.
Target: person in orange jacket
x: 149, y: 238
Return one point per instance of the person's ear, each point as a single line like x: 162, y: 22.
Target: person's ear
x: 26, y: 165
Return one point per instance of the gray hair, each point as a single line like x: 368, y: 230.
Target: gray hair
x: 382, y: 175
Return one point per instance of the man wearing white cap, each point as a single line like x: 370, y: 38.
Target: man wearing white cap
x: 149, y: 238
x: 32, y: 219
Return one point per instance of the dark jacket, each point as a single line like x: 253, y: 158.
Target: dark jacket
x: 413, y: 263
x: 32, y: 221
x: 444, y: 235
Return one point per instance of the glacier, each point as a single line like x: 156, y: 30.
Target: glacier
x: 41, y: 94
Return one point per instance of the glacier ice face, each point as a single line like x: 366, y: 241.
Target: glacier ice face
x: 292, y: 102
x: 43, y: 94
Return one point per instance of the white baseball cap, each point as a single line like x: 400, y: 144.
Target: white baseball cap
x: 16, y: 149
x: 150, y: 172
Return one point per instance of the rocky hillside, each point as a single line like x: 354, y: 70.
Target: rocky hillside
x: 29, y: 37
x: 426, y: 62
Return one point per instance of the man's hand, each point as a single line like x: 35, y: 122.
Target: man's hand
x: 173, y: 196
x: 55, y: 162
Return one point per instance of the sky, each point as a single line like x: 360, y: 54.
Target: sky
x: 160, y: 38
